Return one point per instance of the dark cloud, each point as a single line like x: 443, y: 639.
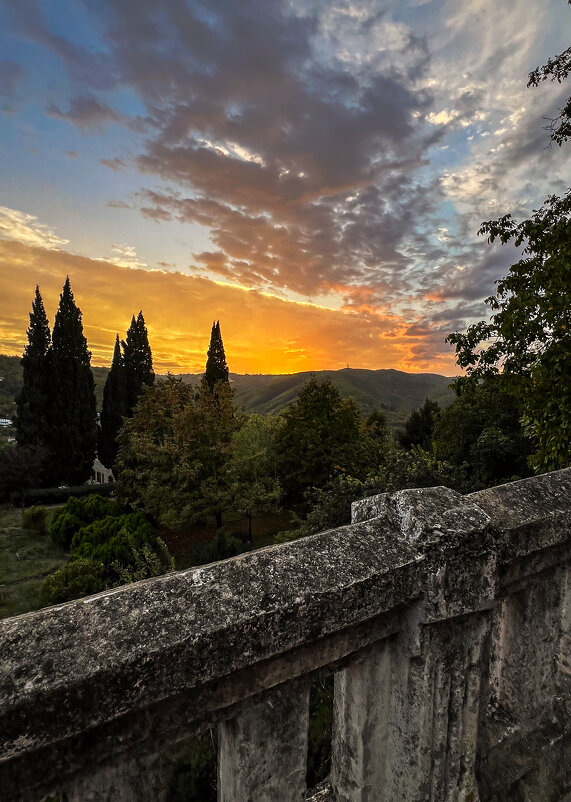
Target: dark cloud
x: 11, y: 76
x: 113, y: 164
x: 301, y: 168
x: 85, y: 112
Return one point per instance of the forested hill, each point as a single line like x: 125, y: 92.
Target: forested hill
x: 394, y: 392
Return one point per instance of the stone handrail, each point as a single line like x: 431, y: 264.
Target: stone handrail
x: 444, y: 618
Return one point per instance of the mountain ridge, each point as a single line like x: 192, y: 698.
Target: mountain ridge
x: 395, y: 392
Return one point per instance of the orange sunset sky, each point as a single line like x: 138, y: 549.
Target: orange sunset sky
x: 312, y: 174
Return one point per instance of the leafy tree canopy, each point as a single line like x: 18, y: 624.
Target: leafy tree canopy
x: 321, y: 435
x: 174, y: 452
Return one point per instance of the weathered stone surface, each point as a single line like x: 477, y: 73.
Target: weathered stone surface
x: 406, y: 723
x: 424, y: 513
x: 263, y: 750
x: 434, y: 611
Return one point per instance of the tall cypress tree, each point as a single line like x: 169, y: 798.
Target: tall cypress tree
x: 138, y: 361
x: 114, y: 408
x: 72, y: 428
x: 32, y: 402
x: 216, y: 367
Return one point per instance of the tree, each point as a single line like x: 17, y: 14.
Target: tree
x: 252, y: 468
x: 320, y: 435
x: 138, y: 361
x: 216, y: 367
x: 32, y: 401
x: 419, y: 426
x: 71, y: 429
x: 482, y: 432
x: 114, y: 408
x: 529, y: 334
x: 175, y: 450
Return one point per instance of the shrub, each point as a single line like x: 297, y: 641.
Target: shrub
x: 35, y: 518
x: 77, y: 513
x: 73, y: 581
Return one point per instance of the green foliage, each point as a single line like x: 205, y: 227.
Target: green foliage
x: 216, y: 367
x: 175, y: 451
x: 419, y: 426
x: 32, y: 403
x: 557, y: 69
x: 320, y: 436
x: 529, y: 335
x: 21, y: 469
x: 76, y: 513
x: 137, y: 361
x: 110, y: 550
x: 482, y: 432
x: 70, y: 429
x: 106, y: 539
x: 114, y: 408
x: 252, y: 467
x: 73, y: 581
x: 35, y: 518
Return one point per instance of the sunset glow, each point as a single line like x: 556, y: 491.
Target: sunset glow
x: 311, y: 174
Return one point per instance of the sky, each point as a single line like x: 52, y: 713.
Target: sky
x: 313, y: 174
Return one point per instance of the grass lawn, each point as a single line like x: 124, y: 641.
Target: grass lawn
x: 26, y: 557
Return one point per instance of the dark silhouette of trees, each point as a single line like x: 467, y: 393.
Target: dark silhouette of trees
x: 138, y: 361
x: 32, y: 401
x: 114, y: 408
x: 71, y: 431
x: 216, y: 367
x: 419, y: 426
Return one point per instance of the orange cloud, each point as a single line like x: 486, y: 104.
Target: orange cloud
x: 262, y: 333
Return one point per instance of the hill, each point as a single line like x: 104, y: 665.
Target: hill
x: 394, y: 392
x: 11, y: 382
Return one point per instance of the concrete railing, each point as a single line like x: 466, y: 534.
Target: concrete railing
x: 444, y: 618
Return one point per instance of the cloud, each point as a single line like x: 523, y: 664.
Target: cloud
x: 329, y: 151
x: 113, y: 164
x: 26, y: 228
x: 86, y: 113
x: 126, y: 256
x: 262, y: 333
x: 11, y: 76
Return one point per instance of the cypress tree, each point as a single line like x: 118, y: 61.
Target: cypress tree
x: 138, y: 361
x: 32, y: 402
x: 114, y: 408
x: 216, y: 367
x: 72, y: 429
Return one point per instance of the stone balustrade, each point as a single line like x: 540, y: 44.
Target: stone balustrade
x: 444, y: 619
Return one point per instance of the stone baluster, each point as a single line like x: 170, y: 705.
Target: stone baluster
x: 406, y: 722
x: 262, y: 752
